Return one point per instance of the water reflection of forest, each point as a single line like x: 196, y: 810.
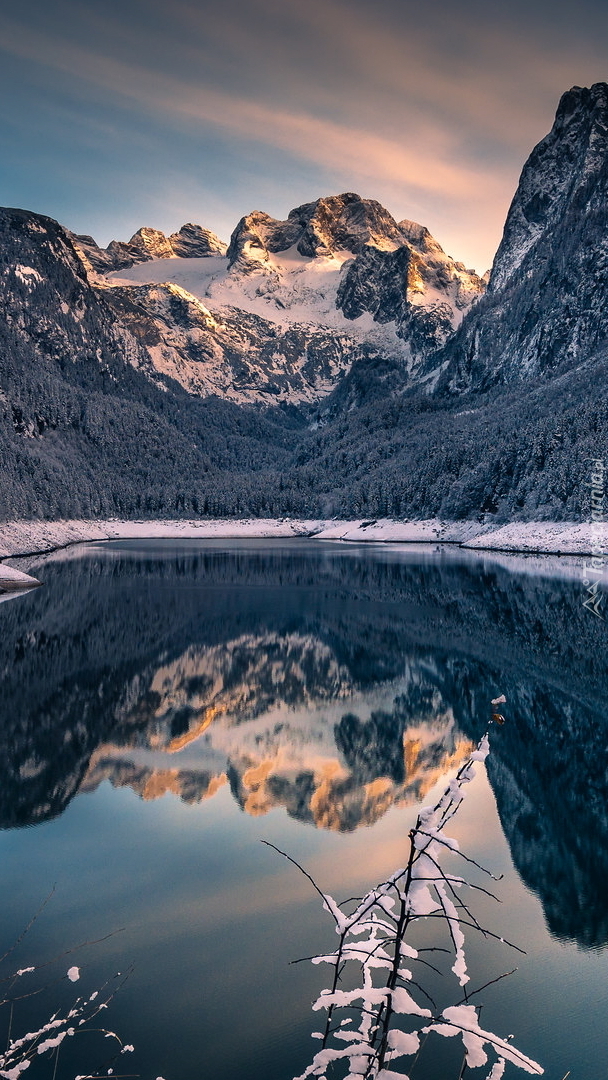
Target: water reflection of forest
x: 334, y: 683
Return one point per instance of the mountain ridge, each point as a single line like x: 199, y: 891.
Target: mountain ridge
x: 340, y: 265
x: 384, y: 383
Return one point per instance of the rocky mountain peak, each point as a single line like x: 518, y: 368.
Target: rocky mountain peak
x: 332, y: 262
x: 414, y: 233
x: 256, y: 235
x: 564, y: 172
x: 344, y: 223
x: 152, y: 243
x: 191, y: 242
x: 335, y: 223
x: 545, y: 305
x: 195, y: 242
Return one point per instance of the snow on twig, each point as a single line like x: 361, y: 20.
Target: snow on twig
x: 22, y: 1050
x: 384, y: 1022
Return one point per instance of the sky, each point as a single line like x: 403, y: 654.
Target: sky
x: 120, y: 113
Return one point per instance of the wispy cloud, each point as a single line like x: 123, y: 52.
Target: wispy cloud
x: 418, y: 155
x: 418, y: 161
x: 432, y: 110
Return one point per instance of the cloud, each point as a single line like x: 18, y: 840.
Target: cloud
x: 431, y: 110
x: 419, y: 155
x: 418, y: 160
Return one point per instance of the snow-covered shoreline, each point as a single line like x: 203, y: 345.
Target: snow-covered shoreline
x: 21, y: 538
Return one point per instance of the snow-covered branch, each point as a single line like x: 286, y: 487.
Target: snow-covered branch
x: 22, y: 1050
x: 373, y: 1026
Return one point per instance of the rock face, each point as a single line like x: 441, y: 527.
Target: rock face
x: 342, y: 316
x: 377, y: 281
x: 294, y: 304
x: 421, y: 292
x: 238, y: 356
x: 337, y: 223
x: 192, y: 241
x: 46, y: 299
x: 82, y: 405
x: 545, y: 307
x: 394, y: 272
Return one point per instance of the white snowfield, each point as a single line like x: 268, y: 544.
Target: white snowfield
x: 290, y: 289
x: 557, y: 538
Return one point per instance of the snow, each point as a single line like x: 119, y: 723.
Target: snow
x: 286, y: 288
x: 73, y: 974
x: 463, y: 1020
x: 18, y: 538
x: 50, y: 1044
x: 290, y: 289
x: 484, y: 746
x: 497, y: 1071
x: 377, y: 1006
x: 562, y: 538
x: 221, y: 338
x: 11, y: 579
x: 15, y: 1072
x: 403, y: 1042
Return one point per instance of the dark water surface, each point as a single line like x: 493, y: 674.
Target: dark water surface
x: 167, y: 705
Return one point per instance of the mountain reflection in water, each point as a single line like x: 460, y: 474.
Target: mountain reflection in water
x: 331, y: 682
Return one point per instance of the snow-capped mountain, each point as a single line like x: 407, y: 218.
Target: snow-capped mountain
x: 232, y: 353
x: 46, y: 300
x: 128, y: 376
x: 289, y: 305
x: 79, y: 396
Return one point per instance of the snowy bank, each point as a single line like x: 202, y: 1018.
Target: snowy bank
x: 532, y: 537
x: 12, y: 580
x: 34, y: 537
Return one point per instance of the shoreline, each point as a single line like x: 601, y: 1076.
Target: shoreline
x: 20, y: 539
x: 546, y: 548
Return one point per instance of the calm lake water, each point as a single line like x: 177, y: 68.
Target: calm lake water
x: 168, y: 705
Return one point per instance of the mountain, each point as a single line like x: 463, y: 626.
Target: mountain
x: 85, y: 421
x: 339, y: 357
x: 544, y: 310
x: 515, y: 408
x: 232, y: 353
x: 292, y: 305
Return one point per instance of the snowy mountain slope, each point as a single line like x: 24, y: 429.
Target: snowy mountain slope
x: 340, y: 272
x: 45, y: 299
x: 234, y: 354
x: 86, y: 421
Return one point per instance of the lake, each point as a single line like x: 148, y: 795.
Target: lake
x: 166, y: 706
